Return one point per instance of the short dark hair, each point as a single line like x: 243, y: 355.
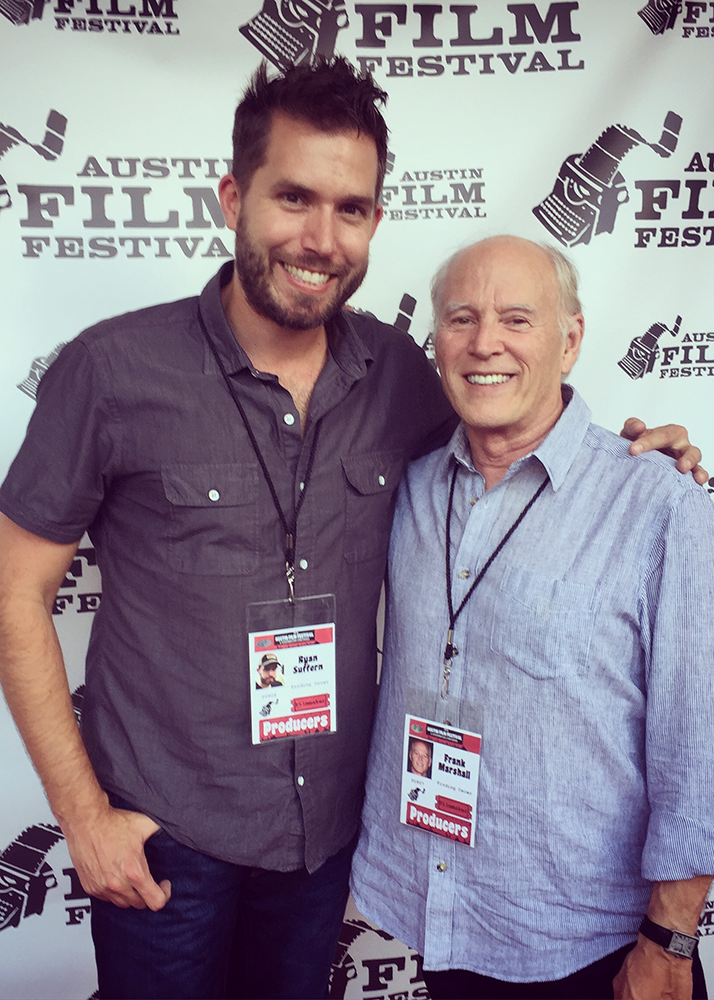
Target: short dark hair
x: 330, y: 96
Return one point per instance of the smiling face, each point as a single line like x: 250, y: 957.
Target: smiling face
x: 268, y: 674
x: 499, y: 345
x: 419, y: 758
x: 304, y: 223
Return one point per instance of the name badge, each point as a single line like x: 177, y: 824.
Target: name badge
x: 292, y: 667
x: 440, y: 767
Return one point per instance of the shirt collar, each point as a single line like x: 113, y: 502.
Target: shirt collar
x: 556, y: 452
x: 346, y: 346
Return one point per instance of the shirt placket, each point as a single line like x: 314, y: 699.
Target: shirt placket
x: 477, y: 513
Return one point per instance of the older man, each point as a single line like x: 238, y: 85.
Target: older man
x: 566, y: 653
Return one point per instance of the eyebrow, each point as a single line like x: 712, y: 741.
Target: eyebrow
x: 519, y: 307
x: 364, y: 201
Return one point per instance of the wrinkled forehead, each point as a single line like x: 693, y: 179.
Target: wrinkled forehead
x: 506, y: 273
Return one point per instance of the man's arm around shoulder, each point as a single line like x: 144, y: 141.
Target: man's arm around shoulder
x: 106, y: 844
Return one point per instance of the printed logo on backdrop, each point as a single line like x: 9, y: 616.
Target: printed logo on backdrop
x: 661, y: 16
x: 473, y: 41
x: 386, y: 973
x: 675, y: 355
x: 49, y: 148
x: 25, y: 875
x: 296, y: 32
x: 589, y: 188
x: 91, y: 17
x: 108, y: 207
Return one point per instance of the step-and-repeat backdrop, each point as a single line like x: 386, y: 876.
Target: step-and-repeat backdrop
x: 585, y: 123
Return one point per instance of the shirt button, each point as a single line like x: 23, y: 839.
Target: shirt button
x: 214, y: 495
x: 382, y: 481
x: 465, y: 574
x: 304, y: 564
x: 441, y: 867
x: 302, y: 487
x: 300, y: 780
x: 289, y: 419
x: 473, y: 500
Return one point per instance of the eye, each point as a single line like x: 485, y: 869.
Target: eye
x: 353, y: 211
x: 291, y: 198
x: 518, y: 322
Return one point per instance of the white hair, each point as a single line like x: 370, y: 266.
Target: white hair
x: 566, y: 278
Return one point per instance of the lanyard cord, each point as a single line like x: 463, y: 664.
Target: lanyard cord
x: 450, y: 651
x: 290, y: 530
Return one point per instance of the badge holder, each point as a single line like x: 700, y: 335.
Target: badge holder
x: 292, y: 668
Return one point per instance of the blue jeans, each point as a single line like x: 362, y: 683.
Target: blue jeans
x: 227, y: 931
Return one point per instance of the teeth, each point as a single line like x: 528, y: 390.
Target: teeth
x: 487, y: 379
x: 309, y: 277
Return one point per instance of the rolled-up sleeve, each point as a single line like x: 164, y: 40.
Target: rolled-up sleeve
x: 677, y: 627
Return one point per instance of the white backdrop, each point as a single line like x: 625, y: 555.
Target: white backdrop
x: 115, y: 122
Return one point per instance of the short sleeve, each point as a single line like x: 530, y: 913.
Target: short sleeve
x: 58, y: 480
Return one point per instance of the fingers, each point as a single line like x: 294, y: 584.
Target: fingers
x: 701, y: 475
x: 111, y: 862
x: 633, y: 428
x: 671, y: 439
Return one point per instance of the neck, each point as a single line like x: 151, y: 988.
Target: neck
x: 494, y: 450
x: 266, y: 343
x: 296, y: 356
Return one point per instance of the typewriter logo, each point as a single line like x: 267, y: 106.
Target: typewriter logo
x: 50, y: 147
x: 643, y: 351
x: 22, y: 11
x: 25, y: 875
x: 589, y: 188
x: 296, y: 32
x: 660, y: 15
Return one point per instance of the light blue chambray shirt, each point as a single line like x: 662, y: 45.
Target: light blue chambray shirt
x: 585, y: 660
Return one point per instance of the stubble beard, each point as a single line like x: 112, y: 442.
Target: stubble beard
x: 253, y: 270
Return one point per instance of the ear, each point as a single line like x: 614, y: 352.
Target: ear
x: 378, y: 214
x: 229, y: 196
x: 573, y: 340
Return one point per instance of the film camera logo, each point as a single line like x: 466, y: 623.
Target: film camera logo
x: 22, y: 11
x: 660, y: 15
x: 294, y: 32
x: 589, y: 188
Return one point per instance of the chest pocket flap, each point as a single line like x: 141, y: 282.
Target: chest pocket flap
x: 371, y: 481
x: 213, y: 510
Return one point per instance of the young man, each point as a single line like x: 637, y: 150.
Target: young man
x: 225, y: 453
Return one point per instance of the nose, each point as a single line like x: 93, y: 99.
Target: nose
x: 319, y: 231
x: 486, y: 338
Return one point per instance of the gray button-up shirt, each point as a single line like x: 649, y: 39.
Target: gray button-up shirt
x: 585, y: 661
x: 136, y: 438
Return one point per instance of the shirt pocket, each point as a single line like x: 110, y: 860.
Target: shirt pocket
x: 543, y: 625
x: 371, y: 482
x: 213, y: 514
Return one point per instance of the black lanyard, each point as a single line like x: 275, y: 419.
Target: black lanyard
x: 289, y: 529
x: 450, y: 650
